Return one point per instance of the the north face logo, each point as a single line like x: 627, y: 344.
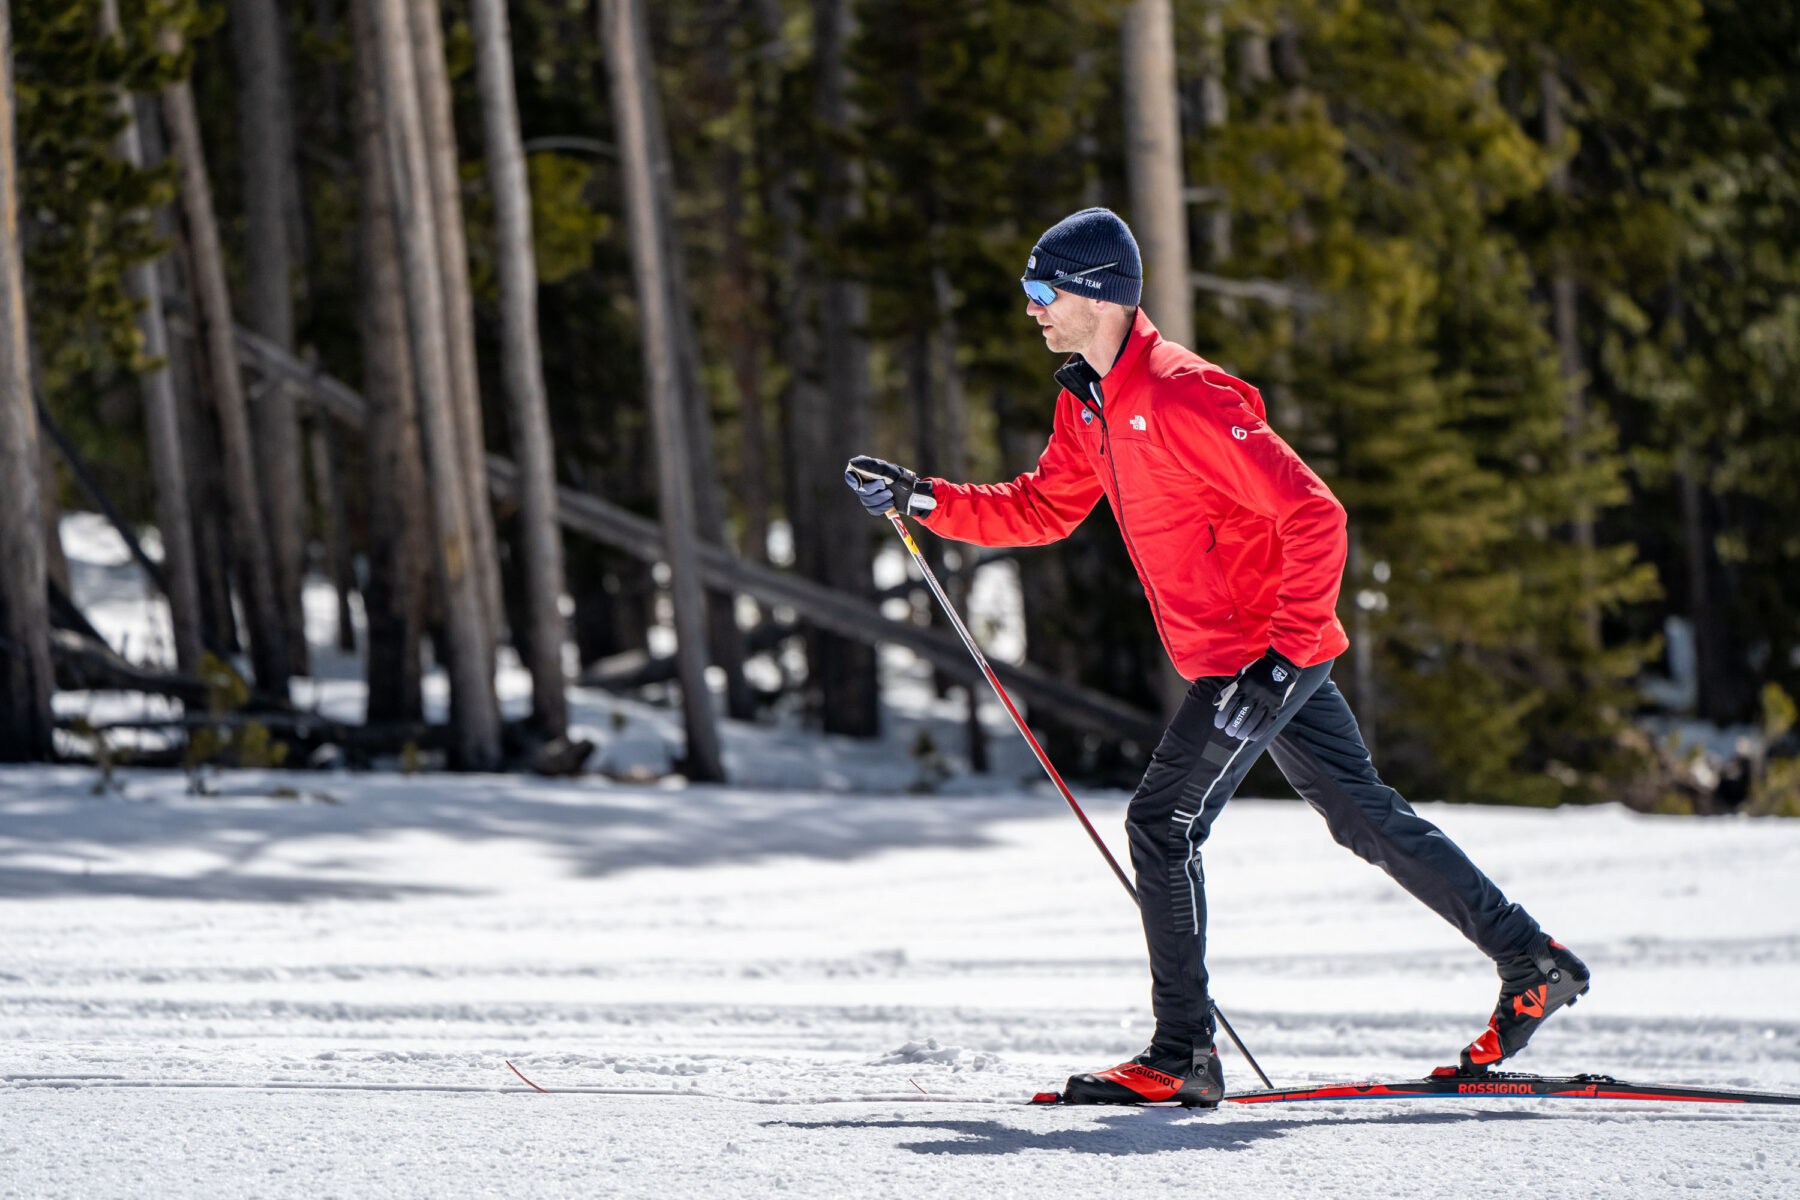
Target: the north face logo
x: 1139, y: 424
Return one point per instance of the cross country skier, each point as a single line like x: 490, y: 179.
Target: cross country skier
x: 1240, y: 548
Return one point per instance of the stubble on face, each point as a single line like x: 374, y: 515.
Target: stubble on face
x: 1069, y: 324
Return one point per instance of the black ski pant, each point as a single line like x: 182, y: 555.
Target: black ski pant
x: 1315, y: 742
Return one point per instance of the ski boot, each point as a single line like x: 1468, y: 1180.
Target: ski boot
x: 1532, y: 987
x: 1185, y: 1074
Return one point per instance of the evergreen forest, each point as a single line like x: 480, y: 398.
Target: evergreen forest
x: 533, y: 321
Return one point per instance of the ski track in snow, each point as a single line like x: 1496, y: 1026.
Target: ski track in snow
x: 313, y: 957
x: 343, y: 965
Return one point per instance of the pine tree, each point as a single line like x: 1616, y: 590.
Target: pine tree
x: 1371, y: 174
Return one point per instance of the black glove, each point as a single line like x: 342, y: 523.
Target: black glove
x: 882, y: 485
x: 1249, y: 703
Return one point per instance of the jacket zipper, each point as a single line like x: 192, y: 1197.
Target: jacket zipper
x: 1112, y: 464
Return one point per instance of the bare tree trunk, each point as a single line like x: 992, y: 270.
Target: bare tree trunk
x: 162, y: 421
x: 725, y: 639
x: 847, y: 670
x: 802, y: 405
x: 474, y: 712
x: 328, y: 498
x: 250, y: 548
x: 198, y: 437
x: 956, y: 462
x: 266, y: 140
x: 922, y: 390
x: 445, y: 195
x: 1214, y: 112
x: 1153, y: 160
x: 208, y: 505
x: 526, y: 406
x: 729, y: 306
x: 1362, y: 647
x: 26, y: 679
x: 1564, y: 316
x: 1158, y: 197
x: 56, y: 563
x: 399, y: 534
x: 735, y: 305
x: 638, y: 116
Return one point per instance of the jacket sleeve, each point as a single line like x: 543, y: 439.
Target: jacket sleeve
x: 1215, y: 428
x: 1039, y: 506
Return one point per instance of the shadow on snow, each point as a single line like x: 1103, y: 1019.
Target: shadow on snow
x: 1135, y: 1131
x: 597, y: 828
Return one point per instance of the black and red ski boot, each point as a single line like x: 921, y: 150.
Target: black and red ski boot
x: 1532, y: 987
x: 1184, y: 1074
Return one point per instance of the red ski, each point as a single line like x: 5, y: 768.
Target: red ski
x: 1449, y: 1082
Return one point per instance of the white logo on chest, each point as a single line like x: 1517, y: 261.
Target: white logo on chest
x: 1139, y: 424
x: 1237, y: 431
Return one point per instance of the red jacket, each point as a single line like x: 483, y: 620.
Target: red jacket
x: 1239, y: 545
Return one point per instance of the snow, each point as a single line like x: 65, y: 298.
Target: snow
x: 309, y: 984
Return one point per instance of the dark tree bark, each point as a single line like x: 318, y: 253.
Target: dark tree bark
x: 474, y: 712
x: 399, y: 535
x: 1214, y: 113
x: 162, y: 420
x: 1564, y: 322
x: 956, y: 463
x: 56, y: 563
x: 638, y: 116
x: 249, y: 543
x: 838, y: 542
x: 445, y: 193
x: 26, y: 677
x: 1153, y: 161
x: 735, y: 304
x: 1158, y: 196
x: 724, y: 638
x: 527, y: 408
x: 328, y: 500
x: 266, y: 146
x: 208, y: 504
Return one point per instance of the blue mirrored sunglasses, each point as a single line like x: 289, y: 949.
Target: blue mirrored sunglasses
x: 1043, y: 291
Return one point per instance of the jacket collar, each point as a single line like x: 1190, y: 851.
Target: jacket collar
x: 1138, y: 342
x: 1078, y: 377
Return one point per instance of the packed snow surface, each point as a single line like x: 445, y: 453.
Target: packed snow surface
x: 353, y: 964
x: 309, y: 984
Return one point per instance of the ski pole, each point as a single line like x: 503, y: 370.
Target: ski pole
x: 968, y: 640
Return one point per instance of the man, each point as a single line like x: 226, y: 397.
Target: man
x: 1240, y: 548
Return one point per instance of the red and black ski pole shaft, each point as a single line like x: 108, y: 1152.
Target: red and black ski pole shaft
x: 968, y: 641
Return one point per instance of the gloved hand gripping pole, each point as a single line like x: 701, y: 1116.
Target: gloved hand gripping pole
x: 968, y: 640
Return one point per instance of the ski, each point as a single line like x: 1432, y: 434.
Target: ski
x: 1451, y: 1083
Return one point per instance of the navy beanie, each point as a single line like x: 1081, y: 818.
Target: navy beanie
x: 1092, y: 237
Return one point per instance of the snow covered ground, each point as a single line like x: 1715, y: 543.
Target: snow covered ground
x: 387, y: 943
x: 309, y: 984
